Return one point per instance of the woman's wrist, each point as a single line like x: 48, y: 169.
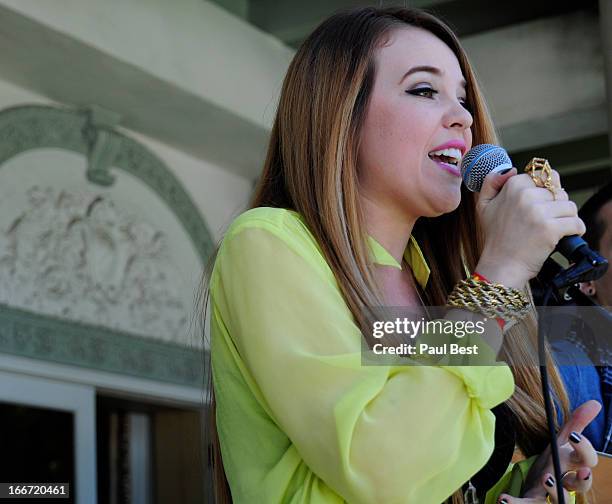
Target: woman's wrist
x: 503, y: 272
x: 493, y: 299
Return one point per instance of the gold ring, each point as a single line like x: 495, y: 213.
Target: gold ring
x: 566, y: 473
x: 548, y: 501
x: 544, y: 177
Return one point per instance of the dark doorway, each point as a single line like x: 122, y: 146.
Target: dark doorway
x: 37, y: 446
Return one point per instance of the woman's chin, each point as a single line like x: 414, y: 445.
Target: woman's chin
x: 446, y: 203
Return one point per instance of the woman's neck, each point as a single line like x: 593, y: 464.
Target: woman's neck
x: 388, y: 226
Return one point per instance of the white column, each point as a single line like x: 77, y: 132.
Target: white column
x: 140, y: 459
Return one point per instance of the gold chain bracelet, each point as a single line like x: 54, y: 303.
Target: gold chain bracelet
x: 490, y: 299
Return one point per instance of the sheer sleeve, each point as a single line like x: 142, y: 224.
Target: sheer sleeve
x: 374, y: 434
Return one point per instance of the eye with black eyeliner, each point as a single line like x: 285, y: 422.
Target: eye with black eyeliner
x: 428, y: 92
x: 423, y: 91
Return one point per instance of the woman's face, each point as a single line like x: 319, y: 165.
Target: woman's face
x: 416, y: 112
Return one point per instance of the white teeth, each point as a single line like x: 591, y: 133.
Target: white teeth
x: 451, y: 153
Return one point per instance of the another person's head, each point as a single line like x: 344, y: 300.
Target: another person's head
x: 597, y: 216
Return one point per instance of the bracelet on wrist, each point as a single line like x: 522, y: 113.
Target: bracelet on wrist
x: 481, y: 278
x: 477, y: 294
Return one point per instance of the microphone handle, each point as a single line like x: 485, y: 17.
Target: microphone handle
x: 568, y: 245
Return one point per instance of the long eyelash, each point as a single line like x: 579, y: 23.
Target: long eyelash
x: 417, y: 91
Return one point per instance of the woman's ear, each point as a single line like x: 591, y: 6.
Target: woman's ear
x: 588, y: 288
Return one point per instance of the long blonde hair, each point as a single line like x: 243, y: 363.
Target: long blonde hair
x: 311, y: 167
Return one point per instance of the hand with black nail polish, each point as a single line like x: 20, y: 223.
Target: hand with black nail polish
x: 576, y: 456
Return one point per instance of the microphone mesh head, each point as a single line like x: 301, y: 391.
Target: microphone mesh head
x: 480, y: 161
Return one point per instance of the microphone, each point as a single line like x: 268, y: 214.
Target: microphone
x: 486, y: 158
x: 481, y: 160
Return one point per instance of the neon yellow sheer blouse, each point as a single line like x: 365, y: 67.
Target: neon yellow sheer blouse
x: 299, y: 419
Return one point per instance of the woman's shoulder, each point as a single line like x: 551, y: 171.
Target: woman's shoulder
x: 266, y: 235
x: 274, y: 219
x: 276, y: 223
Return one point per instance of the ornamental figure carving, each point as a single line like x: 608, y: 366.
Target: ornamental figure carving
x: 77, y: 256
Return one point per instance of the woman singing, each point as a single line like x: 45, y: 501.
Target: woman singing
x: 360, y: 204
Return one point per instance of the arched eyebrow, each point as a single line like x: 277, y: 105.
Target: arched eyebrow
x: 428, y: 69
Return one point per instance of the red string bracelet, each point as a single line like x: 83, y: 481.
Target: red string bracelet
x: 481, y: 278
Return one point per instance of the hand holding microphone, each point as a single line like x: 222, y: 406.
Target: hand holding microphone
x: 522, y: 226
x: 522, y: 223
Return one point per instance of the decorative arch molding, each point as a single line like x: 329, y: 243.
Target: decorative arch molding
x: 91, y: 132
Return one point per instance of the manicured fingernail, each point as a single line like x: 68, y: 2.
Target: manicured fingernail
x: 503, y: 172
x: 503, y: 501
x: 550, y: 481
x: 587, y: 477
x: 575, y: 437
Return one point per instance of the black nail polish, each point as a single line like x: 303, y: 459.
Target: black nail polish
x: 549, y: 482
x: 502, y: 172
x: 575, y: 437
x: 587, y: 477
x: 503, y: 501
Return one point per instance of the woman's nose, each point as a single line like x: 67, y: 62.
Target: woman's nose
x: 458, y: 116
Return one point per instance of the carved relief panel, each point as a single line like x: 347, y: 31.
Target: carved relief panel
x: 96, y: 231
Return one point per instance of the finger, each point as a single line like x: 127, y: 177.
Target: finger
x: 560, y: 208
x: 582, y: 416
x: 524, y: 181
x: 508, y: 499
x: 578, y: 481
x: 556, y: 178
x: 584, y: 474
x: 561, y: 194
x: 568, y: 226
x: 584, y: 454
x: 493, y: 183
x: 541, y: 194
x: 550, y: 485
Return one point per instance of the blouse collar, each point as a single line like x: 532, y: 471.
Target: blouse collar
x: 412, y: 255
